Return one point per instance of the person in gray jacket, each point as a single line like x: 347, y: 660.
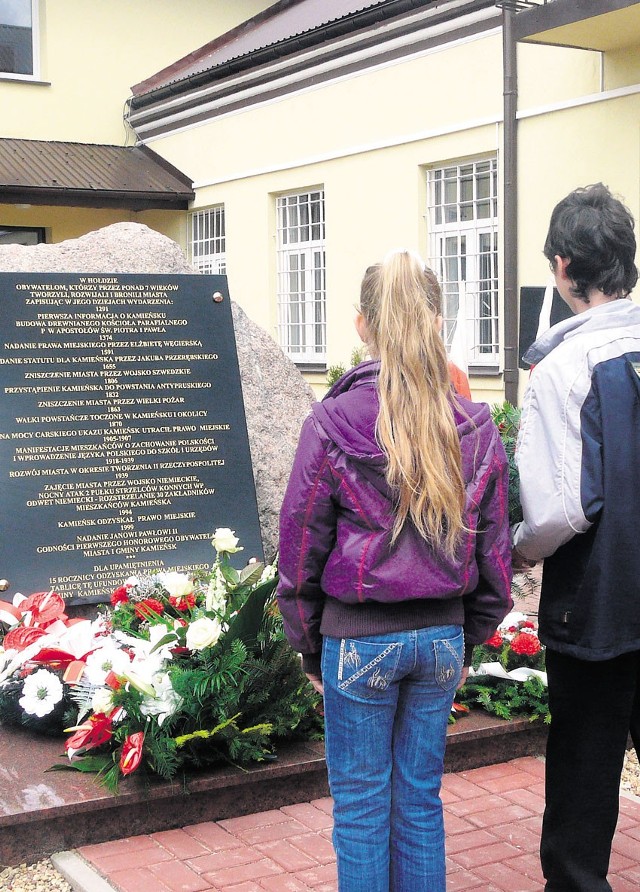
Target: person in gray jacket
x: 578, y: 456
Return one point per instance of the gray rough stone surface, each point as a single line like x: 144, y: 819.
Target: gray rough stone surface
x: 277, y: 398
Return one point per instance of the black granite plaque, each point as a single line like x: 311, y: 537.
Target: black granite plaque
x: 123, y: 441
x: 531, y: 298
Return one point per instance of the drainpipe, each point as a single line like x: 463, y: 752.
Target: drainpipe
x: 510, y: 207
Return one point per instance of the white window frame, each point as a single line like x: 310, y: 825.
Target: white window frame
x: 207, y: 240
x: 463, y: 247
x: 35, y: 49
x: 301, y: 289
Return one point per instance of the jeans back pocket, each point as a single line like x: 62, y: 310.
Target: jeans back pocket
x: 449, y: 656
x: 367, y: 668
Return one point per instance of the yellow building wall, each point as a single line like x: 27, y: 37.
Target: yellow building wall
x: 62, y: 223
x: 622, y: 68
x: 563, y: 150
x: 92, y: 53
x: 551, y: 74
x: 366, y: 140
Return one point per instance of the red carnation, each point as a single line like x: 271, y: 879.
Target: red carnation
x: 495, y: 640
x: 145, y: 609
x: 183, y: 602
x: 525, y: 645
x: 527, y: 624
x: 120, y: 596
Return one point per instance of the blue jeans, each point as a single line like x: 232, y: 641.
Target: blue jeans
x: 387, y: 704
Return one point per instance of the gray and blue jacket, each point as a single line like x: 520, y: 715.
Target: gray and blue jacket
x: 578, y: 456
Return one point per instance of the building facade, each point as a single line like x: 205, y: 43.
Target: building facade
x: 306, y: 138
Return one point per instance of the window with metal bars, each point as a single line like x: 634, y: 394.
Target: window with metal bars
x: 463, y: 238
x: 207, y: 244
x: 302, y: 328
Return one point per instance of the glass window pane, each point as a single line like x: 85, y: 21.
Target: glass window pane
x: 466, y: 189
x: 483, y: 185
x: 16, y: 37
x: 451, y: 191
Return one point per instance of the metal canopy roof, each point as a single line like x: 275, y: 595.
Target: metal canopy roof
x: 601, y: 25
x: 281, y: 29
x: 87, y: 175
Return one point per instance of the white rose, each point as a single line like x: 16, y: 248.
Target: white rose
x: 102, y: 701
x: 177, y: 584
x: 204, y: 632
x: 224, y: 539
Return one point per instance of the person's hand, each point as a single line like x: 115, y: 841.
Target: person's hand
x: 463, y: 677
x: 316, y: 681
x: 519, y: 562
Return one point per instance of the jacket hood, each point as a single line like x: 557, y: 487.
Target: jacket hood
x: 616, y: 313
x: 349, y: 411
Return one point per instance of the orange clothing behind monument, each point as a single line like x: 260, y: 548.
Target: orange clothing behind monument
x: 459, y: 380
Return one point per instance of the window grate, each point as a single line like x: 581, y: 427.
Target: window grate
x: 208, y: 240
x: 463, y: 233
x: 302, y: 328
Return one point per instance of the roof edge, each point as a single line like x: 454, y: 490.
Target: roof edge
x: 161, y: 76
x: 282, y: 48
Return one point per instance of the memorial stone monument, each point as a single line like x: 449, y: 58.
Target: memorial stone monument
x: 276, y: 398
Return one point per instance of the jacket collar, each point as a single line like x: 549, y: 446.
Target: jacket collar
x: 614, y: 314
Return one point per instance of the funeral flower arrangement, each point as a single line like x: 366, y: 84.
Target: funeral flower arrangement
x: 178, y: 671
x: 507, y: 676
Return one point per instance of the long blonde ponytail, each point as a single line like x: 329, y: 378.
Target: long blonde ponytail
x: 400, y: 302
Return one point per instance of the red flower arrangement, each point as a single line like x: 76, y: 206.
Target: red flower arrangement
x: 508, y: 675
x: 514, y: 645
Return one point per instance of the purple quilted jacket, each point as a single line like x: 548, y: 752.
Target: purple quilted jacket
x: 337, y: 517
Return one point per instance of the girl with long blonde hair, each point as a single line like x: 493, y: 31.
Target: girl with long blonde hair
x: 394, y: 562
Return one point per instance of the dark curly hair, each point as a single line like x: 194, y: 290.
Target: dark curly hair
x: 594, y: 231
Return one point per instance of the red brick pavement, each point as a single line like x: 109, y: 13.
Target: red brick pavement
x: 492, y: 817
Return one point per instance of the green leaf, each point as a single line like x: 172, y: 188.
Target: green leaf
x: 247, y: 622
x: 251, y: 574
x: 166, y: 639
x: 230, y: 574
x: 87, y: 764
